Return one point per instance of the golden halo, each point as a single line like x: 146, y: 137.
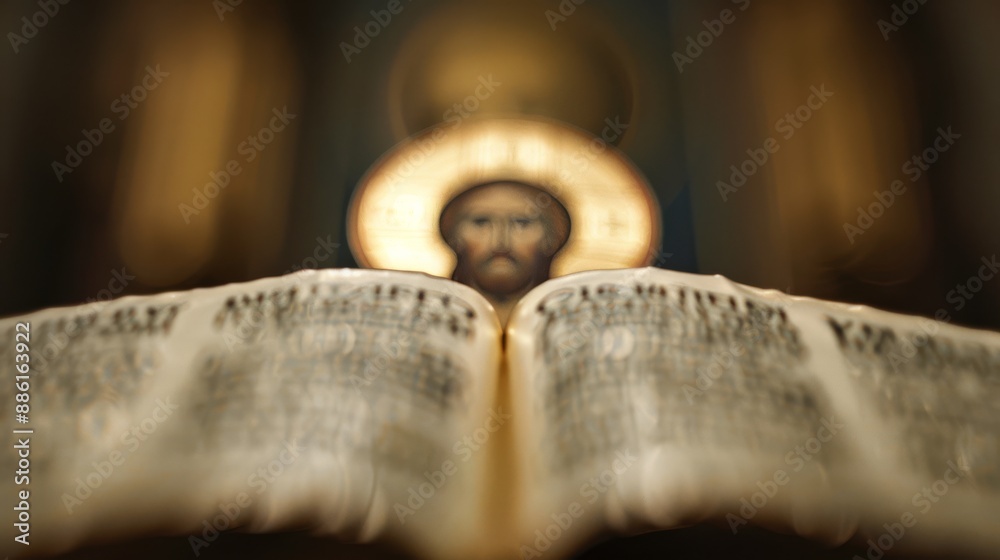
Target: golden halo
x: 395, y: 211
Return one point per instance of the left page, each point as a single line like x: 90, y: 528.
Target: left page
x: 335, y: 400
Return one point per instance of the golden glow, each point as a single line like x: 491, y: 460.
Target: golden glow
x: 579, y: 75
x: 393, y: 220
x: 852, y: 146
x: 181, y: 133
x: 193, y: 124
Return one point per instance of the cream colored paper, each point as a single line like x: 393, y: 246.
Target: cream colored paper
x: 699, y: 398
x: 315, y: 400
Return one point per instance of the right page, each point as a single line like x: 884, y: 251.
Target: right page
x: 648, y: 399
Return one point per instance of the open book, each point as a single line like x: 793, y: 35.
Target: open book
x: 391, y: 405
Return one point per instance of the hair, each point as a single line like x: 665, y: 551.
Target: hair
x: 555, y: 219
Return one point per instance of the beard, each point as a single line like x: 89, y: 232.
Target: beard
x: 502, y: 274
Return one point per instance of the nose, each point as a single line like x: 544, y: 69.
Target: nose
x: 501, y: 237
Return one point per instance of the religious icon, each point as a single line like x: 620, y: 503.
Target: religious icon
x: 502, y: 205
x: 504, y: 236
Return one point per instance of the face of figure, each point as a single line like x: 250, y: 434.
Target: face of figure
x: 503, y: 237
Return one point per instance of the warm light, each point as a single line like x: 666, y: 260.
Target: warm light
x: 395, y: 212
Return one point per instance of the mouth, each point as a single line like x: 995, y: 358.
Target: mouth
x: 501, y: 260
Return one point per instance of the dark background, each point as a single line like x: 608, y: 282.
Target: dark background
x: 63, y: 240
x: 113, y: 226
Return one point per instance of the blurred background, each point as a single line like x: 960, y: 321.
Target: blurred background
x: 837, y: 149
x: 118, y: 120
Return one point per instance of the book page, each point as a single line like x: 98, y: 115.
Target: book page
x: 929, y: 392
x: 333, y: 400
x: 652, y: 399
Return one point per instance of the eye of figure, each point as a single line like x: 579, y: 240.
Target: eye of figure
x: 522, y: 222
x: 480, y: 221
